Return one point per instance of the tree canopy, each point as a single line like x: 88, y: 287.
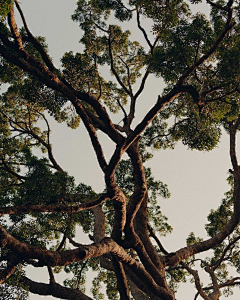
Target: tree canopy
x: 42, y: 206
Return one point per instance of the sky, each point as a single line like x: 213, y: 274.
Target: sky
x: 196, y: 180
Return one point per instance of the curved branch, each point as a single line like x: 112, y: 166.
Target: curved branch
x: 137, y: 208
x: 55, y: 258
x: 47, y: 145
x: 217, y: 239
x: 152, y: 234
x: 92, y: 133
x: 35, y: 42
x: 143, y: 31
x: 53, y: 289
x: 10, y: 171
x: 52, y: 208
x: 198, y: 285
x: 230, y: 282
x: 216, y: 291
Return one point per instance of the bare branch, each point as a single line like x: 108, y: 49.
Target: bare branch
x: 143, y: 31
x: 152, y: 234
x: 61, y: 245
x: 51, y: 276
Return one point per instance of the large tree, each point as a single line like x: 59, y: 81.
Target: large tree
x: 42, y: 207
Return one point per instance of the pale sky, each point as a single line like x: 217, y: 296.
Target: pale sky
x: 196, y: 180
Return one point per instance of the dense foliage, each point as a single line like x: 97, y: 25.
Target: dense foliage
x: 42, y: 207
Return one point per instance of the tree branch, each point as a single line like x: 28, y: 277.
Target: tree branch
x: 143, y: 31
x: 53, y: 289
x: 136, y: 292
x: 10, y: 171
x: 52, y: 208
x: 233, y: 131
x: 9, y: 270
x: 14, y: 29
x: 112, y: 65
x: 197, y: 281
x: 121, y: 279
x: 219, y: 261
x: 35, y: 42
x: 228, y: 27
x: 214, y: 241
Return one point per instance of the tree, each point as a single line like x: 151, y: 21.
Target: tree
x: 198, y: 59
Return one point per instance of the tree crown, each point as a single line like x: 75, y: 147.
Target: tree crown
x: 197, y: 58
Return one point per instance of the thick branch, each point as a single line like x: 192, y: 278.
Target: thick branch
x: 99, y: 224
x: 121, y: 279
x: 14, y: 29
x: 119, y: 199
x: 55, y: 258
x: 53, y: 289
x: 92, y: 133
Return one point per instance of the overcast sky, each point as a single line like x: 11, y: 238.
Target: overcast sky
x: 196, y: 180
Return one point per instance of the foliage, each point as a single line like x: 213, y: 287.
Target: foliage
x: 5, y: 6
